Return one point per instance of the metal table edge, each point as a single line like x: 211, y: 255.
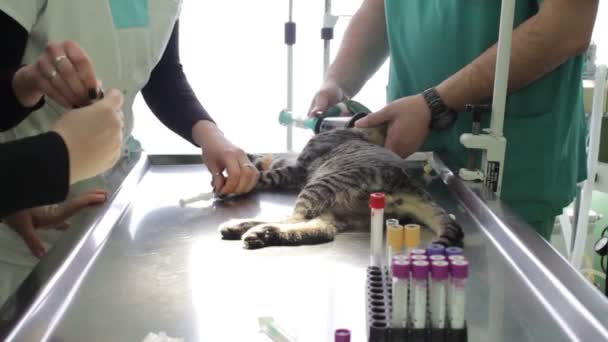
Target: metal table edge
x: 40, y: 304
x: 41, y: 298
x: 563, y: 286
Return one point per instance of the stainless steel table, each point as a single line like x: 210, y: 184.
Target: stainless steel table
x: 142, y: 264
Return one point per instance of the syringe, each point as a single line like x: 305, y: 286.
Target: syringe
x: 205, y: 196
x: 273, y: 331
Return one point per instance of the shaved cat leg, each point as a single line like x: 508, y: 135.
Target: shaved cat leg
x: 423, y: 209
x: 306, y: 232
x: 289, y: 177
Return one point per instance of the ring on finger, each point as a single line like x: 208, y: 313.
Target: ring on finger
x: 58, y: 59
x: 217, y: 174
x: 52, y: 74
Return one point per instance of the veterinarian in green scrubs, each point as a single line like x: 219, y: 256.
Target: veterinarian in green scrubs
x: 442, y: 56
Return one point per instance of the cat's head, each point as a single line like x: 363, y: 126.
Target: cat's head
x: 375, y: 135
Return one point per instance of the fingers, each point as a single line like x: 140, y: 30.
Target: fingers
x: 374, y: 119
x: 329, y: 94
x: 114, y: 99
x: 234, y: 174
x: 68, y: 72
x: 319, y: 104
x: 70, y: 207
x: 23, y: 225
x: 217, y: 179
x: 31, y: 239
x: 249, y: 175
x: 82, y: 64
x: 42, y: 77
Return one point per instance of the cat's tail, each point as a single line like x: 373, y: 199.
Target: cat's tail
x: 421, y: 207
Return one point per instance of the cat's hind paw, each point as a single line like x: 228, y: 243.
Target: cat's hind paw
x: 262, y: 235
x: 235, y: 228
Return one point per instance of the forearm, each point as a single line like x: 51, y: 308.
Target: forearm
x: 561, y: 29
x: 34, y: 172
x: 12, y: 92
x: 363, y: 50
x: 169, y: 95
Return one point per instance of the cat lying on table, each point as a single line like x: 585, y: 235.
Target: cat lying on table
x: 336, y: 172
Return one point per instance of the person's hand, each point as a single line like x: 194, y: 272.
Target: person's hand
x: 329, y: 95
x: 64, y: 72
x: 56, y: 216
x: 219, y: 154
x: 408, y: 124
x: 93, y: 136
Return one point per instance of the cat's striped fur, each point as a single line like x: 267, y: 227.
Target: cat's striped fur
x: 336, y: 172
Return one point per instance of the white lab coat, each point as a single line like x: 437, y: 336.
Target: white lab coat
x: 124, y: 49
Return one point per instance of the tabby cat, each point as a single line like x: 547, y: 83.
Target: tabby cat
x: 336, y: 172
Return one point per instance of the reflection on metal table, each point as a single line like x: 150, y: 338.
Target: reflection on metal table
x: 142, y: 264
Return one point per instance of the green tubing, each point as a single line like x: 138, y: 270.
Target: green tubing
x: 353, y: 107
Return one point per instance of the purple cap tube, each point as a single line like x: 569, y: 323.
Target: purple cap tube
x: 400, y: 269
x: 460, y: 269
x: 440, y: 270
x: 453, y: 251
x: 435, y: 249
x: 420, y: 269
x: 342, y: 335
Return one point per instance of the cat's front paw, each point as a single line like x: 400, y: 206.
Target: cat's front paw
x: 262, y: 235
x: 234, y: 229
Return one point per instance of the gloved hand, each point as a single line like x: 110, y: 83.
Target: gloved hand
x: 220, y: 154
x: 26, y: 222
x: 64, y: 72
x: 93, y: 136
x: 328, y: 95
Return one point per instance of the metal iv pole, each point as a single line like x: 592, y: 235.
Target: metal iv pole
x: 492, y: 142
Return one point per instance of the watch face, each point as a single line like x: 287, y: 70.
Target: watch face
x: 601, y: 246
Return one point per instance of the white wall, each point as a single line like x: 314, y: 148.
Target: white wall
x: 235, y: 59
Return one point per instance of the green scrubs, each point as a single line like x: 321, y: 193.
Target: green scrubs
x: 544, y: 125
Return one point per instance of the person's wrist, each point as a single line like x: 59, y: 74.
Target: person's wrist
x: 425, y: 108
x: 74, y: 176
x: 203, y: 130
x: 25, y: 93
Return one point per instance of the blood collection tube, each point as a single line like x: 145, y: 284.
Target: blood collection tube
x: 437, y: 257
x: 412, y: 237
x: 401, y: 276
x: 453, y: 251
x: 400, y: 257
x: 420, y: 274
x: 342, y: 335
x: 435, y: 249
x: 459, y: 273
x: 394, y: 239
x: 414, y: 257
x: 418, y: 251
x: 438, y: 295
x: 456, y: 257
x: 377, y: 203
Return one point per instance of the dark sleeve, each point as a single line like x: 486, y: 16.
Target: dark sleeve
x: 34, y: 171
x: 14, y: 39
x: 169, y: 95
